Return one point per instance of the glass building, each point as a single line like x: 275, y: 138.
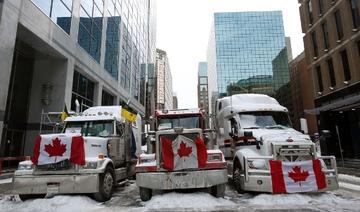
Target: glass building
x: 247, y: 54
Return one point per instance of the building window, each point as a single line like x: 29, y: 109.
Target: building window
x: 321, y: 6
x: 355, y: 13
x: 58, y: 10
x: 314, y: 42
x: 111, y: 64
x: 319, y: 78
x: 90, y: 27
x: 346, y: 66
x: 83, y: 91
x: 310, y: 11
x: 107, y: 99
x: 325, y: 35
x: 339, y: 29
x: 331, y: 72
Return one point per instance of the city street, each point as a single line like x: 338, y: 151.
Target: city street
x: 126, y: 198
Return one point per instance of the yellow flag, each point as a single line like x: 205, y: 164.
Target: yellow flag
x: 128, y: 115
x: 64, y: 114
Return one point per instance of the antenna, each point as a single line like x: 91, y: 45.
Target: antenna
x: 231, y: 108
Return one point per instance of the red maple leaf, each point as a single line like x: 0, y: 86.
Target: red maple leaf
x: 183, y: 150
x: 56, y: 149
x: 297, y: 175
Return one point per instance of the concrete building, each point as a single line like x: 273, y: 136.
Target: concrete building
x: 332, y: 50
x: 202, y: 88
x: 54, y: 52
x: 301, y: 81
x: 164, y: 90
x: 247, y: 50
x: 175, y: 101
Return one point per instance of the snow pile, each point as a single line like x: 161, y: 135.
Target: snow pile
x: 57, y: 203
x: 197, y: 200
x: 327, y: 201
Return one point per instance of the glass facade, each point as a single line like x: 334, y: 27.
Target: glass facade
x: 83, y: 91
x: 90, y: 28
x: 58, y: 10
x: 250, y: 53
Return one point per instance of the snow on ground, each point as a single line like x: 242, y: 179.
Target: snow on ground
x: 57, y: 203
x: 7, y: 180
x: 199, y: 200
x: 328, y: 201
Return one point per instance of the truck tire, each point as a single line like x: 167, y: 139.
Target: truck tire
x: 106, y: 185
x: 145, y: 194
x: 236, y: 179
x: 25, y: 197
x: 218, y: 190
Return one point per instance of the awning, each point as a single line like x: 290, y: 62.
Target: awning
x: 341, y: 104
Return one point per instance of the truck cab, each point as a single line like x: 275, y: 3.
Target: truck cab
x: 180, y: 158
x: 95, y: 150
x: 253, y: 130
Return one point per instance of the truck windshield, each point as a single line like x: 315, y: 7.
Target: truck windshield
x: 185, y: 122
x: 91, y: 128
x: 264, y: 120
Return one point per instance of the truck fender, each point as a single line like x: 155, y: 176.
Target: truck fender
x: 106, y: 162
x: 241, y: 153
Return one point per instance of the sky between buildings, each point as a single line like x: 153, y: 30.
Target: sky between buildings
x: 183, y: 30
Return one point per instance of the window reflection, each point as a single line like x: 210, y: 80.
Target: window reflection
x: 83, y: 91
x: 58, y: 10
x: 90, y: 28
x: 112, y: 40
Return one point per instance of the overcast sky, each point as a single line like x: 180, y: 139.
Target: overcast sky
x: 183, y: 28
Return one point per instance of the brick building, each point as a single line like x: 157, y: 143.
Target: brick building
x: 332, y: 49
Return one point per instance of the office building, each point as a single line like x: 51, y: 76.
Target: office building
x: 332, y: 50
x: 247, y: 54
x: 56, y: 52
x: 164, y: 90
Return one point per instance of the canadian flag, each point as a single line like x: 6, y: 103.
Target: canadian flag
x: 183, y: 153
x: 54, y: 148
x: 300, y: 176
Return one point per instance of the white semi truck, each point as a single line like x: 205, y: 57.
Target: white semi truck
x: 95, y: 150
x: 253, y: 130
x: 179, y: 158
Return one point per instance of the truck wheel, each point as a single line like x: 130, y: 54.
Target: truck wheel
x: 145, y: 194
x: 106, y: 185
x: 236, y: 179
x: 218, y: 190
x: 25, y: 197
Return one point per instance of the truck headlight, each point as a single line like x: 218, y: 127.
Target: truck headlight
x: 91, y: 165
x: 25, y: 166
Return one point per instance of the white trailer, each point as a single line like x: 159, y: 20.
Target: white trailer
x: 111, y: 145
x: 253, y: 129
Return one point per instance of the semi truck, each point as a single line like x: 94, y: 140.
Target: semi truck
x: 180, y: 158
x: 96, y: 149
x: 263, y: 151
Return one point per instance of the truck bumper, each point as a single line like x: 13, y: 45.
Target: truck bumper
x: 55, y: 184
x: 181, y: 179
x: 263, y: 183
